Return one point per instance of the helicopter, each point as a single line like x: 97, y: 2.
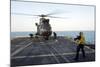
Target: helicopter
x: 44, y: 28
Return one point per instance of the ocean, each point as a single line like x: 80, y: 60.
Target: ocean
x: 89, y: 35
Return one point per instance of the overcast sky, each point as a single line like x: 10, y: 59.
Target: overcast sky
x: 76, y: 17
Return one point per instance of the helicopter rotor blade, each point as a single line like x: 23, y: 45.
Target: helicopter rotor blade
x: 42, y: 15
x: 24, y: 14
x: 53, y: 13
x: 58, y: 17
x: 57, y: 12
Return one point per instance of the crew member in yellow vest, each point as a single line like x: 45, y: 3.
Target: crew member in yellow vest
x: 81, y: 42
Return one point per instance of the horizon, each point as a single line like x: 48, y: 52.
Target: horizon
x: 61, y: 31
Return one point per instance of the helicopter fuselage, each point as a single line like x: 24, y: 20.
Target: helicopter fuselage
x: 44, y: 28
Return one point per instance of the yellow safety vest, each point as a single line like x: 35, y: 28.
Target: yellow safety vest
x: 81, y: 41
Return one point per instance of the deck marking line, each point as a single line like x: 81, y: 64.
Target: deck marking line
x: 46, y: 55
x: 61, y: 55
x: 20, y: 49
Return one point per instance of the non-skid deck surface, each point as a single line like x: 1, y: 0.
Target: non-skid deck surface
x: 24, y: 51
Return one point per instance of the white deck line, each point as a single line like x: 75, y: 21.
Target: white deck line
x: 55, y: 57
x: 20, y: 43
x: 61, y: 55
x: 52, y: 54
x: 47, y: 55
x: 89, y: 48
x: 55, y: 41
x: 20, y: 49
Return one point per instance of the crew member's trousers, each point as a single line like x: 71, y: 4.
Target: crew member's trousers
x: 80, y: 46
